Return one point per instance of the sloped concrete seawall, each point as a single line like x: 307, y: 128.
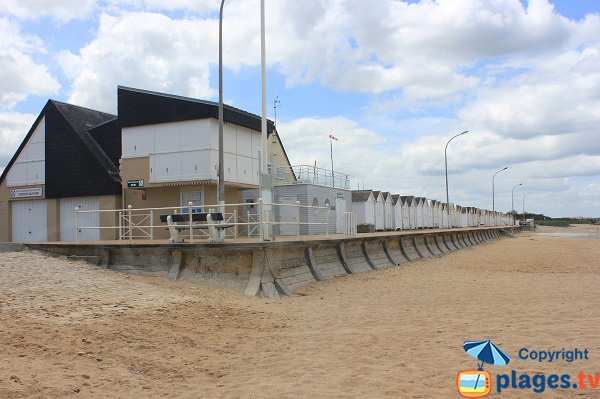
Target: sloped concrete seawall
x: 274, y: 268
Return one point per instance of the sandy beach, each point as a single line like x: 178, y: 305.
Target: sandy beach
x: 68, y: 329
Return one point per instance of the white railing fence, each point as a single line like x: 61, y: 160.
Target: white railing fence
x: 259, y: 220
x: 350, y: 224
x: 310, y: 174
x: 277, y: 220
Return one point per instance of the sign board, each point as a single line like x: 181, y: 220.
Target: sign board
x: 137, y: 183
x: 340, y: 195
x: 32, y: 192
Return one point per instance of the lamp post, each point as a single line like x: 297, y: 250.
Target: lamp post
x: 493, y: 194
x: 512, y: 196
x: 446, y: 165
x: 524, y: 195
x: 331, y: 138
x: 221, y: 190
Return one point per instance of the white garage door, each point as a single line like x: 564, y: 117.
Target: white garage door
x: 67, y: 218
x: 29, y: 221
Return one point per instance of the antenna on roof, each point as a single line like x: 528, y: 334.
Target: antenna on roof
x: 276, y: 103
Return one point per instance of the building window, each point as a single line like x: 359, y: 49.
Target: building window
x: 195, y: 197
x: 315, y: 203
x: 327, y: 203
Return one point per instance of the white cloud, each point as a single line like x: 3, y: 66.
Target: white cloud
x: 62, y: 11
x: 545, y: 164
x: 198, y: 6
x: 145, y: 50
x: 21, y: 75
x: 561, y: 95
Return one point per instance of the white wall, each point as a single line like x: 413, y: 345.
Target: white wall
x: 30, y: 166
x: 188, y: 150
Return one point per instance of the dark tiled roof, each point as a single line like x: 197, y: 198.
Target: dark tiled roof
x: 83, y: 119
x: 76, y: 165
x: 108, y: 137
x: 395, y: 198
x: 143, y: 107
x: 407, y: 199
x: 360, y: 195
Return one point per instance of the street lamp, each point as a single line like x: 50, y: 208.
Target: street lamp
x: 493, y: 193
x: 512, y: 196
x: 331, y: 138
x: 446, y: 165
x: 524, y: 195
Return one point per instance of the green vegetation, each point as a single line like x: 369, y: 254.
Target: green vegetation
x: 553, y: 222
x: 543, y: 220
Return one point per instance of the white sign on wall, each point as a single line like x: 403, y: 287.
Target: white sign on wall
x: 26, y: 192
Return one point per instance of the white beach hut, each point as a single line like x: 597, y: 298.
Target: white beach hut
x: 363, y: 205
x: 414, y: 206
x: 464, y: 217
x: 406, y: 200
x: 379, y: 210
x: 453, y: 215
x: 428, y: 213
x: 419, y: 212
x: 436, y: 217
x: 388, y: 211
x: 443, y: 216
x: 397, y: 211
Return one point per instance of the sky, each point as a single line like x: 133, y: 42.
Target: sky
x: 392, y: 80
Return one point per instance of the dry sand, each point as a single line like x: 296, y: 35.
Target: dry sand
x: 71, y: 330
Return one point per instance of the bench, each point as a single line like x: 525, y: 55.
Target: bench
x: 181, y: 221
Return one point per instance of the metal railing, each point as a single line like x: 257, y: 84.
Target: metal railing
x: 266, y: 221
x: 301, y: 174
x: 131, y: 225
x: 277, y: 220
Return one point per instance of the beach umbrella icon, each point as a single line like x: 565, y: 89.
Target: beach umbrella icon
x: 487, y: 352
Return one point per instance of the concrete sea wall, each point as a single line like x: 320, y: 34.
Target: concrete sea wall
x: 274, y: 268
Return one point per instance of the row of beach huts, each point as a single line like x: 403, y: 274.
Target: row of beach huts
x: 378, y: 210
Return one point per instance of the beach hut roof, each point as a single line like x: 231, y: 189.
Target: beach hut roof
x: 407, y: 199
x: 361, y: 195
